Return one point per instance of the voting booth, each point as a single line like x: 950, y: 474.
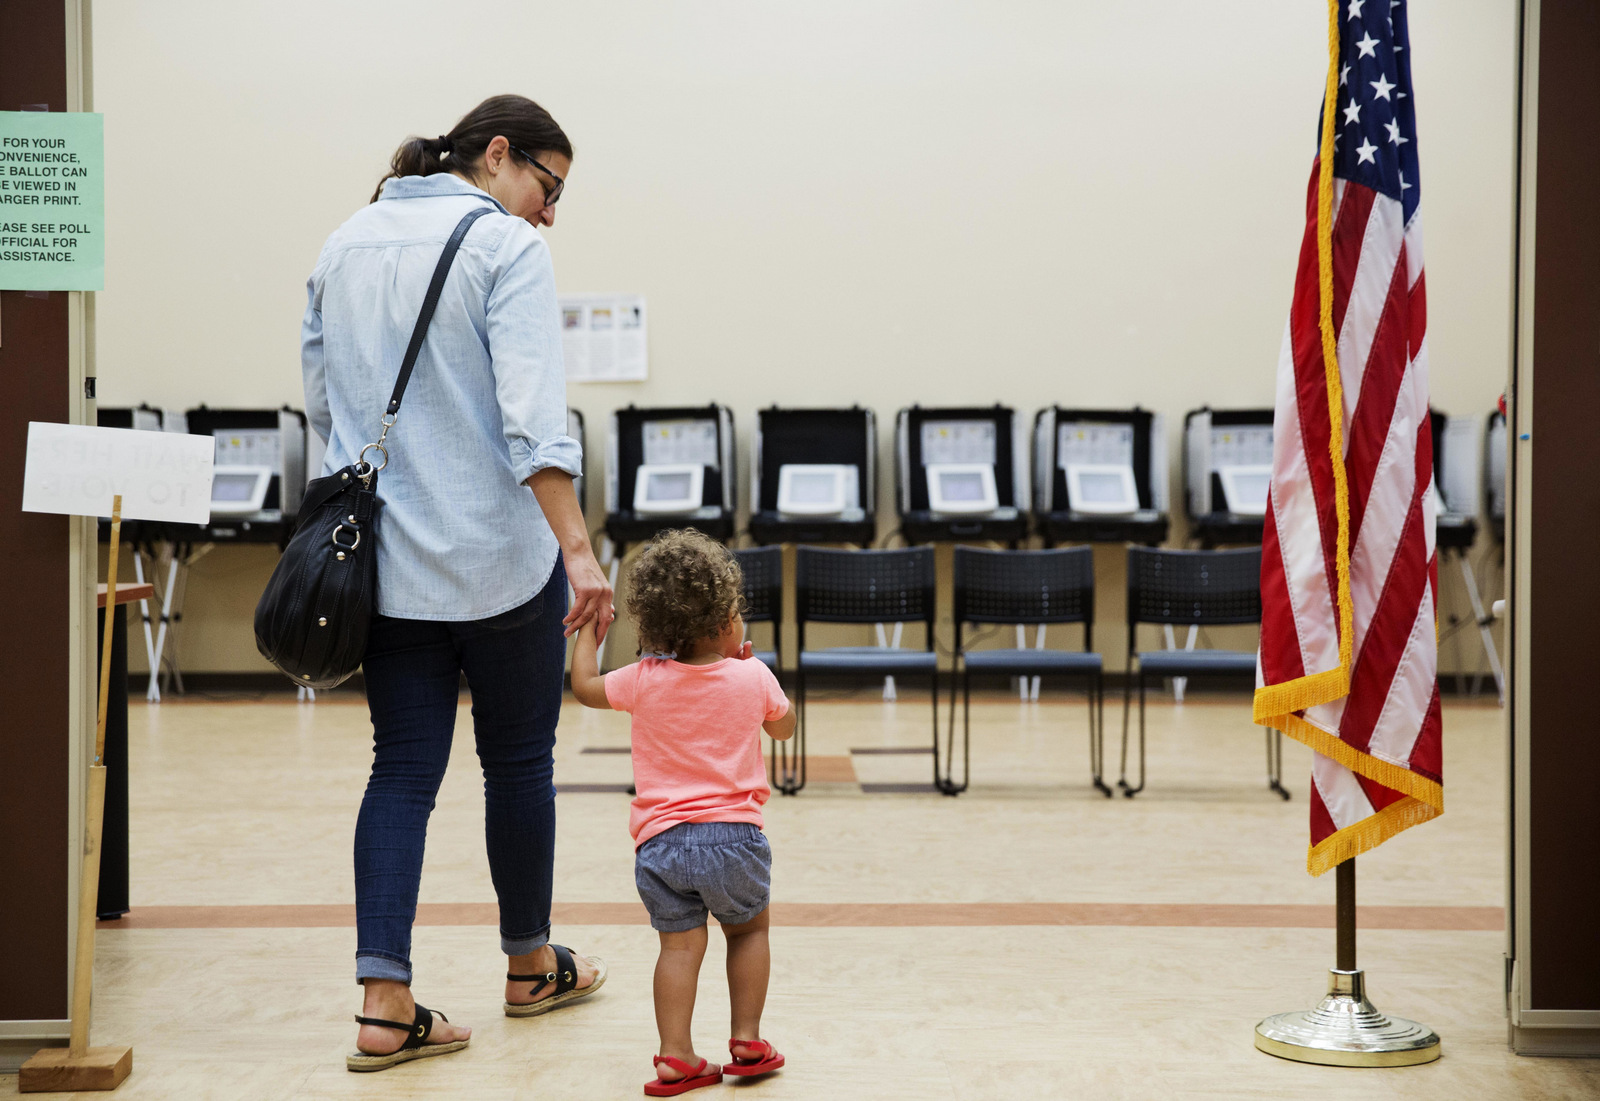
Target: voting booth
x: 1458, y: 481
x: 669, y: 468
x: 1100, y: 476
x: 261, y: 462
x: 1494, y: 462
x: 813, y: 476
x: 961, y: 474
x: 1227, y: 470
x: 1458, y: 478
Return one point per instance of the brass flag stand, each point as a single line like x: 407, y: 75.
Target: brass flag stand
x: 79, y: 1066
x: 1346, y: 1030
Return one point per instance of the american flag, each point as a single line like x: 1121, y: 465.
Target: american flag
x: 1349, y: 653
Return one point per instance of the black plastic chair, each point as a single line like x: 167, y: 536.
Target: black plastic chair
x: 858, y: 586
x: 763, y: 597
x: 1036, y: 586
x: 1200, y: 587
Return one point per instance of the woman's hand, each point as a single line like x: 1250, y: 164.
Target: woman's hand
x: 591, y: 594
x: 591, y: 591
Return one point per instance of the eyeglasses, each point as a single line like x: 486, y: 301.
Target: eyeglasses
x: 551, y: 194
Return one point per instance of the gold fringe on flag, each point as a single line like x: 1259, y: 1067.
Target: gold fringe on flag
x: 1277, y: 705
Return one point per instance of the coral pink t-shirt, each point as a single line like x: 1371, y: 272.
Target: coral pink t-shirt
x: 696, y: 739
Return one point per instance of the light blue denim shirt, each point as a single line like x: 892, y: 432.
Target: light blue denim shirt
x: 460, y: 537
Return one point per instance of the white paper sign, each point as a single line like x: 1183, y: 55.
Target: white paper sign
x: 691, y: 441
x: 77, y: 469
x: 605, y: 337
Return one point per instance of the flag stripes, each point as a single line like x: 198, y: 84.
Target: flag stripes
x: 1348, y: 659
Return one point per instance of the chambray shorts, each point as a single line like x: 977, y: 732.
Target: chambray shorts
x: 695, y: 867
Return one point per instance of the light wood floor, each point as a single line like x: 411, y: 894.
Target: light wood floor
x: 1030, y: 939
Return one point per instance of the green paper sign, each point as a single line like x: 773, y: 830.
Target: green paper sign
x: 52, y: 201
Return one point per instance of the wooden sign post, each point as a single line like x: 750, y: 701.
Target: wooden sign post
x: 79, y: 1066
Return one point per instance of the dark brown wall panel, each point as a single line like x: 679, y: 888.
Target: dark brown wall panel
x: 1564, y: 774
x: 34, y: 594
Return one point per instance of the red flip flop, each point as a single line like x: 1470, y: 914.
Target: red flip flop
x: 706, y: 1074
x: 768, y: 1062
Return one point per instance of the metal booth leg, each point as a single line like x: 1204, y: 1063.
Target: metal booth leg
x: 169, y: 552
x: 1097, y: 732
x: 144, y: 615
x: 1485, y: 626
x: 946, y: 782
x: 1275, y: 762
x: 1130, y: 790
x: 789, y: 762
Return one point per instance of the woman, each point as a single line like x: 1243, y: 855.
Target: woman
x: 473, y: 568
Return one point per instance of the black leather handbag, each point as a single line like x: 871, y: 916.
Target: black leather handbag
x: 312, y: 619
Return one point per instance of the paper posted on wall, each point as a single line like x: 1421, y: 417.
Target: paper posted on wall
x: 605, y: 337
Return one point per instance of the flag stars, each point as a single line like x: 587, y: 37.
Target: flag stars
x: 1368, y: 47
x: 1355, y: 8
x: 1352, y: 112
x: 1393, y: 126
x: 1381, y: 87
x: 1344, y: 75
x: 1365, y: 151
x: 1403, y: 185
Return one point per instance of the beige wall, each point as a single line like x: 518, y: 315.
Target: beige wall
x: 825, y: 204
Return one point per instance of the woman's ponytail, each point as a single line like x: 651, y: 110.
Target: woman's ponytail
x: 415, y: 157
x: 518, y: 119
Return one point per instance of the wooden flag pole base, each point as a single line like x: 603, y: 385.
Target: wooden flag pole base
x: 79, y: 1066
x: 1346, y: 1030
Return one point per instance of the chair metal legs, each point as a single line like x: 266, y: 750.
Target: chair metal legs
x: 1275, y: 762
x: 1097, y: 731
x: 788, y: 762
x: 945, y: 781
x: 1127, y: 688
x: 1274, y: 745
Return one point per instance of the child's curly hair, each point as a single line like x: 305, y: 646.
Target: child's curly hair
x: 682, y: 588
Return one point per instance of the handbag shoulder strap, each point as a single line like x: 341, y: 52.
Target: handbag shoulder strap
x: 429, y: 304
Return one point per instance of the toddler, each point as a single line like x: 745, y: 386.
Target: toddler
x: 698, y: 701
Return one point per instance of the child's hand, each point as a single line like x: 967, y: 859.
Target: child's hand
x: 746, y: 650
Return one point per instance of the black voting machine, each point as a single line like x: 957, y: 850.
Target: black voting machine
x: 1227, y: 468
x: 1100, y: 476
x: 814, y: 476
x: 671, y: 467
x: 961, y: 474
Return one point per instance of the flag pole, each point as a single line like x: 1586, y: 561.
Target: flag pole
x: 1346, y: 1029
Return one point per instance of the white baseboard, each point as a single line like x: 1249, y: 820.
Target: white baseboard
x: 20, y: 1039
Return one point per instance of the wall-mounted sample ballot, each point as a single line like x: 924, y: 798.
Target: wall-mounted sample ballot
x: 52, y: 201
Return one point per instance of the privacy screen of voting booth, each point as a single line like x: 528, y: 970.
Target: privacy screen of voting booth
x: 1227, y: 470
x: 813, y: 476
x: 670, y: 468
x: 260, y: 474
x: 961, y: 474
x: 1458, y: 478
x: 1494, y: 474
x: 1101, y: 476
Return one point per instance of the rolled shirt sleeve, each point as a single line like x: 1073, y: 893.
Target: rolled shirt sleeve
x: 524, y: 329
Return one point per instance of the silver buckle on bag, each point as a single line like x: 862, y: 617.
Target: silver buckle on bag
x: 346, y: 546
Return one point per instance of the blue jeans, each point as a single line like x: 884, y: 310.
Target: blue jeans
x: 513, y: 664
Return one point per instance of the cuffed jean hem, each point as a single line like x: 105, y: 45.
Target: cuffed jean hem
x: 375, y: 966
x: 680, y: 925
x: 523, y: 944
